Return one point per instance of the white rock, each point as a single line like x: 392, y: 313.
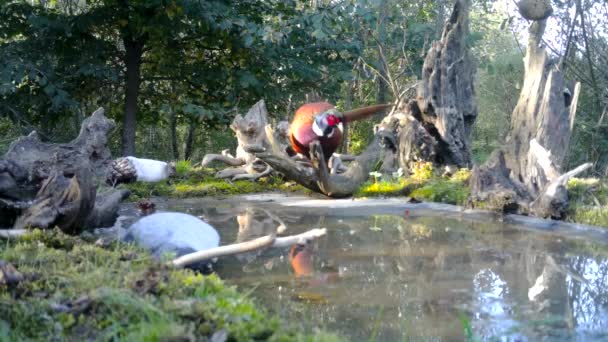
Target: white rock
x: 170, y: 232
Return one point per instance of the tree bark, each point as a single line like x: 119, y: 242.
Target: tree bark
x: 251, y: 130
x: 318, y: 178
x: 174, y: 145
x: 524, y: 175
x: 190, y: 139
x: 133, y: 54
x: 47, y: 185
x: 437, y: 126
x: 382, y: 90
x: 348, y: 105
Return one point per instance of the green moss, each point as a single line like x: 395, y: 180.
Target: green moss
x: 121, y: 293
x: 593, y: 215
x: 424, y: 184
x: 588, y: 201
x: 196, y: 182
x: 422, y: 171
x: 442, y: 190
x: 382, y: 188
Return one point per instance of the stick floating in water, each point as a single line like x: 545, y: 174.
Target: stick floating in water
x: 248, y: 246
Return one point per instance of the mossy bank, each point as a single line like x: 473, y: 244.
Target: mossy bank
x: 76, y: 290
x: 588, y: 197
x: 198, y: 182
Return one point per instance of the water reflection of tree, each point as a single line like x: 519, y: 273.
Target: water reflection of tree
x: 431, y: 279
x: 549, y: 286
x: 417, y: 275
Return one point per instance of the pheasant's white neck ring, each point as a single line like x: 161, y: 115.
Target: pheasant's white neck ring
x: 315, y: 128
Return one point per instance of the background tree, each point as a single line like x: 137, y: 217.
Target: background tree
x: 216, y: 54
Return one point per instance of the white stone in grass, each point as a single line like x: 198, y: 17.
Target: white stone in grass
x: 173, y: 233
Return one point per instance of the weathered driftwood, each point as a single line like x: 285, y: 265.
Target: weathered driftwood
x: 65, y: 202
x: 524, y: 176
x: 249, y: 130
x: 39, y: 159
x: 318, y: 177
x: 437, y: 125
x: 46, y: 185
x: 249, y: 246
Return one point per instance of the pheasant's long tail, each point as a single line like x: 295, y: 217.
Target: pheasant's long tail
x: 364, y: 112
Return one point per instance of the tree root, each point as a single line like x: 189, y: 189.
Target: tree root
x: 318, y: 178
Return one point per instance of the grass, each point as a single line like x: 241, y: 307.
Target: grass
x: 75, y: 290
x: 588, y: 201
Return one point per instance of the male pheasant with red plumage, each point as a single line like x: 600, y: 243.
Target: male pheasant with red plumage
x: 321, y: 121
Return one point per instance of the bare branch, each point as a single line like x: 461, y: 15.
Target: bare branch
x: 248, y: 246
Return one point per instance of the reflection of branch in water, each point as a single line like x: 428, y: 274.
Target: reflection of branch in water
x: 250, y: 227
x: 282, y: 226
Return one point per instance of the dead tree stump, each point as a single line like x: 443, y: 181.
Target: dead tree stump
x: 46, y: 185
x: 436, y: 126
x: 525, y: 176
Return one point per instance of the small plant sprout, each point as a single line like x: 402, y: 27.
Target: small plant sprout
x: 399, y: 173
x: 376, y: 176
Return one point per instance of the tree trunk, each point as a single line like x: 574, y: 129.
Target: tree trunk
x: 134, y: 51
x: 382, y: 90
x: 524, y: 175
x: 190, y: 139
x: 383, y: 76
x: 174, y: 146
x: 436, y: 127
x: 348, y: 105
x: 252, y: 129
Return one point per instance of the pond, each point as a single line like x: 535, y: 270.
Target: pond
x: 388, y: 271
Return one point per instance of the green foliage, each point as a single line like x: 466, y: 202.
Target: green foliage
x: 360, y: 134
x: 588, y: 201
x: 593, y: 215
x: 8, y: 133
x: 422, y: 171
x: 499, y: 76
x: 467, y: 328
x: 382, y: 188
x: 183, y: 167
x: 121, y: 293
x: 197, y: 61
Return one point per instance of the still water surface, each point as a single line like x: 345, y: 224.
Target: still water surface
x: 393, y: 275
